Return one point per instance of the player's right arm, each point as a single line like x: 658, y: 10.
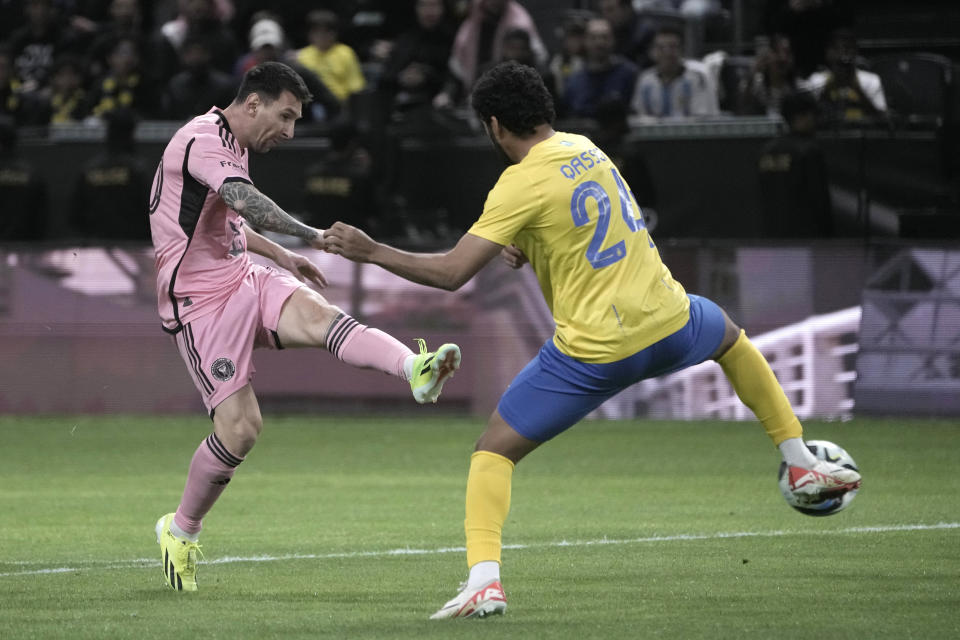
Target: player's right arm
x: 263, y: 213
x: 449, y: 270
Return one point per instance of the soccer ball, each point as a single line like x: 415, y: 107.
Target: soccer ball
x: 821, y: 505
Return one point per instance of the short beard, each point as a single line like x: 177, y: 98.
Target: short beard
x: 500, y: 152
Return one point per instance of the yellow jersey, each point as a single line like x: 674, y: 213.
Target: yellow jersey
x: 566, y: 206
x: 338, y: 68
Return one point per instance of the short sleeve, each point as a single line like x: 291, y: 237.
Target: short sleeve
x: 511, y: 206
x: 354, y: 81
x: 214, y: 159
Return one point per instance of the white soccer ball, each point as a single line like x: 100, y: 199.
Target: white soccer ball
x: 823, y: 505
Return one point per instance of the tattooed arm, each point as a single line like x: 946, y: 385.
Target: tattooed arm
x: 262, y: 212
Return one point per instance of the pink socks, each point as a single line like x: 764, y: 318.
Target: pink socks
x: 210, y: 471
x: 362, y: 346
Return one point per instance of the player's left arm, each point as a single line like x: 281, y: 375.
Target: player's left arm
x: 449, y: 270
x: 300, y: 266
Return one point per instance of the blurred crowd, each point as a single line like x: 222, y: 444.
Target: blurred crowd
x: 384, y: 69
x: 67, y: 61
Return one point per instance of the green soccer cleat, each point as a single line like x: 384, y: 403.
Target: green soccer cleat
x: 178, y: 555
x: 431, y: 370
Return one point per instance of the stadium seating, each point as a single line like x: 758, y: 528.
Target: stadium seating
x: 918, y: 86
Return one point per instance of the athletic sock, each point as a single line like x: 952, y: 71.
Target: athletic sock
x: 362, y: 346
x: 488, y: 502
x: 796, y: 454
x: 211, y: 468
x: 483, y: 573
x: 753, y: 380
x: 180, y: 533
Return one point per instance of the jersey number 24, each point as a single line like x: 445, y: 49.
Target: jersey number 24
x: 596, y: 254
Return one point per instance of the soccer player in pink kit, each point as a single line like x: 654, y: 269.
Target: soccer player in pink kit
x: 218, y: 305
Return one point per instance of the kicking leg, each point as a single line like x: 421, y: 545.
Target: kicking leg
x: 308, y: 320
x: 758, y: 388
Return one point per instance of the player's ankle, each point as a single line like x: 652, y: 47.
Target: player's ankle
x: 180, y: 533
x: 483, y: 573
x: 408, y: 367
x: 796, y: 454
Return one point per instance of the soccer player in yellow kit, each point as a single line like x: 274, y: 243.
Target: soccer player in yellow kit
x: 621, y: 317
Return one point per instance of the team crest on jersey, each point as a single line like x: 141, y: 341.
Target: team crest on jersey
x: 223, y: 369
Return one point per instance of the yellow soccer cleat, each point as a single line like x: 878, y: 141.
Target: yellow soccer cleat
x: 178, y: 555
x: 432, y: 369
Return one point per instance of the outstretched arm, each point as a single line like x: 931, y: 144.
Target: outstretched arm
x: 300, y: 266
x: 262, y: 212
x: 450, y: 270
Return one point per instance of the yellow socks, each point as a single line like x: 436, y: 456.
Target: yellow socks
x: 488, y: 502
x: 753, y: 380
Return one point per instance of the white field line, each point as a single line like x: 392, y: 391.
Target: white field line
x: 682, y: 537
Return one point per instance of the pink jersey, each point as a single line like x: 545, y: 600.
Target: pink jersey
x: 200, y: 244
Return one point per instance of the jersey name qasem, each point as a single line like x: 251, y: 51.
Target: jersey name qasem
x: 566, y: 206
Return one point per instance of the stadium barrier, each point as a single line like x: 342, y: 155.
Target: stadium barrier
x: 79, y: 333
x: 814, y: 360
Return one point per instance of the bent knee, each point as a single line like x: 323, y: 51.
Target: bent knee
x: 306, y: 319
x: 239, y: 435
x: 731, y: 332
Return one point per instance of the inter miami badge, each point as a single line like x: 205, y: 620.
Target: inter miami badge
x: 223, y: 369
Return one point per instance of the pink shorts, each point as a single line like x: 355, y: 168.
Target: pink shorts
x: 218, y: 347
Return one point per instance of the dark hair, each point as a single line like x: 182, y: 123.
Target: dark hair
x: 516, y: 95
x: 669, y: 30
x: 323, y: 20
x: 517, y: 34
x: 269, y: 79
x: 575, y: 24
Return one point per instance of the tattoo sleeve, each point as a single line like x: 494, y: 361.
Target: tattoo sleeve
x: 261, y: 211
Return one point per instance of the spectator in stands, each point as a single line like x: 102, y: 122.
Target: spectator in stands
x: 570, y: 58
x: 774, y: 75
x: 36, y: 44
x: 126, y: 20
x: 23, y: 193
x: 268, y: 44
x: 808, y: 24
x: 417, y: 65
x: 604, y: 86
x: 202, y: 18
x: 674, y: 87
x: 109, y: 200
x: 199, y: 86
x: 123, y: 85
x: 846, y: 94
x: 342, y: 184
x: 11, y: 98
x: 632, y: 32
x: 517, y: 47
x: 479, y: 41
x: 66, y: 99
x: 334, y: 62
x: 794, y: 188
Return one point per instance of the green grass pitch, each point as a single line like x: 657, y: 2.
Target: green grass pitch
x: 352, y: 528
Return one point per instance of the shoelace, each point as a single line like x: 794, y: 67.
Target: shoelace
x: 200, y: 556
